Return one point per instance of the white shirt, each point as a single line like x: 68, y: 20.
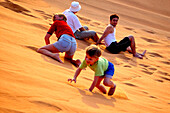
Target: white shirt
x: 110, y: 37
x: 72, y: 20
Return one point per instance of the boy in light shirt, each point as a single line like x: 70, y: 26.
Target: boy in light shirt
x: 102, y: 67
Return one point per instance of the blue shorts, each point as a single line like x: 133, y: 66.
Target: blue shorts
x: 67, y: 44
x: 110, y: 71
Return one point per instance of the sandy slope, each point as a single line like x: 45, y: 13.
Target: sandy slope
x: 33, y: 83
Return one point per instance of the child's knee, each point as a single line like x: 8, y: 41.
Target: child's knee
x: 106, y: 82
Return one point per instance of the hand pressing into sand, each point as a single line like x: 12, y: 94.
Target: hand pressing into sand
x: 75, y: 75
x: 70, y: 80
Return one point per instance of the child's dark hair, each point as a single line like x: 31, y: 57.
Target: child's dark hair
x: 114, y: 16
x: 93, y: 51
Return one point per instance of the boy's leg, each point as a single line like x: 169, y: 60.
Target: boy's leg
x: 101, y: 87
x: 112, y: 90
x: 107, y: 82
x: 50, y: 51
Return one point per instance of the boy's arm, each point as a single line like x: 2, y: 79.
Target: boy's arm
x: 75, y: 75
x: 96, y: 78
x: 107, y: 31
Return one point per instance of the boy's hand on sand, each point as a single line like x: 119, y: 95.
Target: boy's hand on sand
x: 70, y: 80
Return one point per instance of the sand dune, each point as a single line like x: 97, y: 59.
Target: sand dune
x: 33, y: 83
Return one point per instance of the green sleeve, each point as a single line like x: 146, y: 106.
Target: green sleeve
x: 83, y: 65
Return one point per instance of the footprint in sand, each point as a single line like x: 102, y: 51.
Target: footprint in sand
x: 42, y: 27
x: 159, y: 80
x: 148, y: 31
x: 144, y: 65
x: 147, y: 69
x: 165, y: 78
x: 145, y: 92
x: 83, y: 18
x: 152, y: 54
x: 149, y: 96
x: 96, y: 24
x: 16, y: 8
x: 45, y: 15
x: 166, y: 62
x: 127, y: 66
x: 164, y: 73
x: 153, y: 97
x: 149, y: 40
x: 130, y: 84
x: 168, y: 37
x: 153, y: 69
x: 45, y: 104
x: 147, y: 72
x: 6, y: 110
x: 128, y: 28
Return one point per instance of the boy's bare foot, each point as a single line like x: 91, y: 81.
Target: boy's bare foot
x: 56, y: 57
x: 112, y: 90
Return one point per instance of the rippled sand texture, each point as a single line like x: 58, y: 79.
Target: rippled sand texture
x: 34, y: 83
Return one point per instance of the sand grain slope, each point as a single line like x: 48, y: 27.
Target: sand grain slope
x: 33, y: 83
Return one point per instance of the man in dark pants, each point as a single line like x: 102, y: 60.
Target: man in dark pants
x: 128, y: 43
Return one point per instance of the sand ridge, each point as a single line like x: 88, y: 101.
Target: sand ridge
x: 33, y: 83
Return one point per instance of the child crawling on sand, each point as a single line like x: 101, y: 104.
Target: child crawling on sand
x: 103, y: 70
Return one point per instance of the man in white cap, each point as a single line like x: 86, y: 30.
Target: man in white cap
x: 79, y: 31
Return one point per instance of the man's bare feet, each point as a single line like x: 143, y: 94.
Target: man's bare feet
x: 138, y: 56
x: 143, y: 54
x: 56, y: 57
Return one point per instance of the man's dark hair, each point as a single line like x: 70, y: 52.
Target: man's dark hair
x: 114, y: 16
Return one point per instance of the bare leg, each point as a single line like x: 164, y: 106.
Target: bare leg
x: 74, y: 62
x: 133, y: 47
x: 129, y: 49
x: 51, y: 51
x: 101, y: 87
x: 108, y: 82
x: 95, y: 38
